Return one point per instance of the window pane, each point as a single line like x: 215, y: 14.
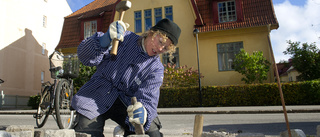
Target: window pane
x: 175, y: 60
x: 137, y: 18
x: 157, y: 14
x: 44, y: 21
x: 42, y: 76
x: 226, y: 54
x: 43, y: 48
x: 90, y: 27
x: 227, y: 11
x: 147, y: 18
x: 168, y: 13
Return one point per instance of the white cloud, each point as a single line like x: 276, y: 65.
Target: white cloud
x: 296, y: 23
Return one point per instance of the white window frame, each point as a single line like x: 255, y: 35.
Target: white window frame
x: 43, y: 48
x: 226, y: 55
x: 89, y: 28
x: 227, y: 11
x: 44, y: 21
x: 175, y: 60
x: 42, y: 76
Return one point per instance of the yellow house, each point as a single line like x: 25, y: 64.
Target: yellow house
x: 287, y: 72
x: 225, y: 26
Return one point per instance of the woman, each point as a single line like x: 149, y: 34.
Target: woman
x: 136, y: 71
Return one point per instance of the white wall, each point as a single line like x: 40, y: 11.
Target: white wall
x: 21, y: 36
x: 17, y: 15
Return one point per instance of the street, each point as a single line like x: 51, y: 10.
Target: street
x: 182, y: 125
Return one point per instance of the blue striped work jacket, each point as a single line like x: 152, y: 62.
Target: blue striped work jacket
x: 131, y: 73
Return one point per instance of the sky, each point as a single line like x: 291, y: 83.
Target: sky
x: 299, y: 21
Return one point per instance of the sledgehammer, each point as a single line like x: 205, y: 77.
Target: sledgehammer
x: 138, y: 127
x: 121, y: 7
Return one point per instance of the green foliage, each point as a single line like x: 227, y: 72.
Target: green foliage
x: 85, y: 73
x: 255, y: 67
x: 295, y: 93
x: 305, y: 59
x: 34, y: 101
x: 180, y: 77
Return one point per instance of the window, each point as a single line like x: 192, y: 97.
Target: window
x: 90, y: 27
x: 168, y: 12
x: 147, y: 19
x: 42, y: 76
x: 157, y: 15
x: 137, y: 21
x: 227, y: 11
x: 43, y: 48
x: 175, y: 60
x: 44, y: 21
x: 226, y: 54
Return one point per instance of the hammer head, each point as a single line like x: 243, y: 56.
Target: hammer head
x: 123, y: 5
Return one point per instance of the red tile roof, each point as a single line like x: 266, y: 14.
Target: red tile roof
x: 71, y: 31
x: 255, y: 13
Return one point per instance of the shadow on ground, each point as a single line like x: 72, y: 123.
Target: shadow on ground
x: 309, y: 128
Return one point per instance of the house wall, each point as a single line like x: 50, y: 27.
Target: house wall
x: 21, y: 38
x: 284, y: 78
x: 293, y: 74
x: 254, y: 39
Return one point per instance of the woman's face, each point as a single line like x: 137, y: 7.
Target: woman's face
x: 156, y: 45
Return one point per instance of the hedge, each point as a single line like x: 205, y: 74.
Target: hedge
x: 295, y: 93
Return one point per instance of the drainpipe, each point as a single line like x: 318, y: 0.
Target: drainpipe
x: 195, y: 32
x: 278, y: 80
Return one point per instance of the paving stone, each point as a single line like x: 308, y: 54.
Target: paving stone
x: 138, y: 136
x: 78, y: 134
x: 250, y: 135
x: 217, y: 134
x: 60, y: 133
x: 39, y: 133
x: 22, y: 134
x: 19, y: 128
x: 294, y: 133
x: 5, y: 134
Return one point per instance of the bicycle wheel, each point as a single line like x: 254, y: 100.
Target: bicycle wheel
x: 65, y: 116
x: 44, y: 108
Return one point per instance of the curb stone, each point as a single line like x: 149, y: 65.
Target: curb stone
x: 29, y: 131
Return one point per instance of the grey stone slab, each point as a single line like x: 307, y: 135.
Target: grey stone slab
x: 60, y: 133
x: 294, y: 133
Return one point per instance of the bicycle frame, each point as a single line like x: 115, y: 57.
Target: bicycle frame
x: 57, y: 96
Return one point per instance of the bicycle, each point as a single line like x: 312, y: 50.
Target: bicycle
x: 56, y: 97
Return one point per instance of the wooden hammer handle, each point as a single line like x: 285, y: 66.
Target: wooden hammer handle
x: 138, y: 127
x: 115, y: 42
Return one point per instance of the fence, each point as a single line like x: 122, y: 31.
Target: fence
x: 13, y: 101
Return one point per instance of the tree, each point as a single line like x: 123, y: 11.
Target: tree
x: 305, y: 59
x: 254, y: 68
x: 85, y: 73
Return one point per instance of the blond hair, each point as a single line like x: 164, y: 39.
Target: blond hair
x: 170, y: 49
